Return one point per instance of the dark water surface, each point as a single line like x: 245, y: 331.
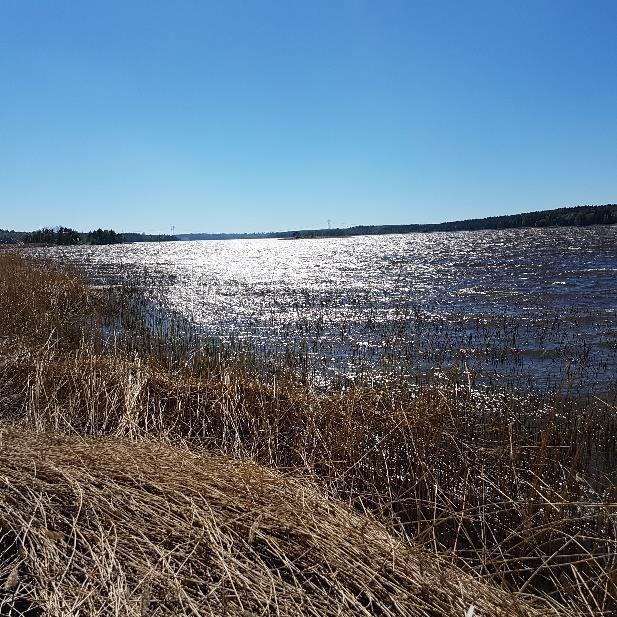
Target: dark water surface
x: 533, y: 308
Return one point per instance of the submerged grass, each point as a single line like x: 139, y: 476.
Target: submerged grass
x: 518, y: 492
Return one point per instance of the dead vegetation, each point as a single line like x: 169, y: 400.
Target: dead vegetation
x: 103, y: 527
x: 519, y: 493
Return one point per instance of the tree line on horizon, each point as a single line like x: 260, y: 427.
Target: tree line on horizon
x: 65, y: 236
x: 577, y: 216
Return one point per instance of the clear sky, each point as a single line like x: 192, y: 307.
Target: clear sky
x: 263, y: 115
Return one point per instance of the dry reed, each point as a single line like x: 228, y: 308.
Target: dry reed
x: 518, y: 492
x: 106, y: 527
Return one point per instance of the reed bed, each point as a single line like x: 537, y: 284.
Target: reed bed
x: 516, y: 491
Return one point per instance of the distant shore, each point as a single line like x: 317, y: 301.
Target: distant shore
x: 578, y: 216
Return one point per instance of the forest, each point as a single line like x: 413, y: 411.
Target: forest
x: 578, y: 216
x: 65, y: 236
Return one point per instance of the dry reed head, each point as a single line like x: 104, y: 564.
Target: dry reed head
x: 107, y: 527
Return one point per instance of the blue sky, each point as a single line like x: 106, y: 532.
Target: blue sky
x: 253, y: 116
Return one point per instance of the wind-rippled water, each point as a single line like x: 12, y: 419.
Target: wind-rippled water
x: 531, y: 307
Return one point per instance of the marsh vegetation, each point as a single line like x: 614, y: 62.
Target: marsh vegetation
x: 150, y: 467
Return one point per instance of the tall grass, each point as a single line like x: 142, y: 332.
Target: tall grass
x: 106, y: 529
x: 517, y: 490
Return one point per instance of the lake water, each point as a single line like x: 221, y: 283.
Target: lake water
x: 527, y: 308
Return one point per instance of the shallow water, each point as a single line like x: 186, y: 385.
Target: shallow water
x: 534, y: 307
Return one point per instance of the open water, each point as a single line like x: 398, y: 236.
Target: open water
x: 535, y: 307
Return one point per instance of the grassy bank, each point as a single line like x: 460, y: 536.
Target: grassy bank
x: 516, y: 492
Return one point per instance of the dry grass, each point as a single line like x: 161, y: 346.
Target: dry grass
x: 38, y: 301
x: 521, y: 493
x: 102, y: 527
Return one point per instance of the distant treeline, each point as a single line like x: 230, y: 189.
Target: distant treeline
x: 139, y: 237
x: 65, y: 236
x: 10, y: 237
x: 578, y: 216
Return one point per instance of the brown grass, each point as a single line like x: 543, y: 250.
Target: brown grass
x: 519, y: 492
x: 102, y: 527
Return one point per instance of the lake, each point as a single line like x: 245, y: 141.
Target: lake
x: 530, y: 308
